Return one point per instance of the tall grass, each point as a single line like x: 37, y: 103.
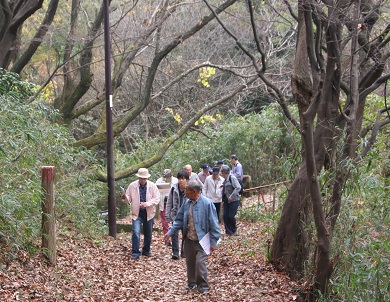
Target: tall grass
x: 30, y: 141
x: 361, y: 243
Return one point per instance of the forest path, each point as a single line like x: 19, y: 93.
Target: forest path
x: 103, y: 271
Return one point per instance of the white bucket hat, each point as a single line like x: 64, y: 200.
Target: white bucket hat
x: 143, y: 173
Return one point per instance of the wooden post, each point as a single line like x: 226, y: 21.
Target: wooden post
x: 48, y: 215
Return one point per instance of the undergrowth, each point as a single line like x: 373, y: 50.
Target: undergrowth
x: 30, y: 141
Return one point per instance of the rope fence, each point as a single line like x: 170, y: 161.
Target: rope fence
x: 264, y: 189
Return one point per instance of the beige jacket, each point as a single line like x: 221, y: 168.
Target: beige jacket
x: 152, y: 199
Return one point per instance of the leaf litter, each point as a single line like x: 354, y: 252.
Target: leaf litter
x: 103, y: 271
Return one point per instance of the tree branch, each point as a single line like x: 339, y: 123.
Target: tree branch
x: 121, y: 124
x: 169, y: 141
x: 280, y: 98
x: 37, y: 39
x: 378, y: 125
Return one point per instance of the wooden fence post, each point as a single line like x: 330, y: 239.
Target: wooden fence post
x: 48, y: 215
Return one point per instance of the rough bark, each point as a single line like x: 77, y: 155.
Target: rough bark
x: 289, y: 247
x: 16, y: 13
x: 38, y: 38
x: 291, y: 232
x: 320, y: 139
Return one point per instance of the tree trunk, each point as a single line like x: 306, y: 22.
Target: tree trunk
x: 290, y: 245
x: 318, y: 142
x: 15, y: 15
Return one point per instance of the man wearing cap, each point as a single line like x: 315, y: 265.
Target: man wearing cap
x: 220, y: 163
x: 164, y: 185
x: 204, y: 173
x: 143, y: 196
x: 213, y: 189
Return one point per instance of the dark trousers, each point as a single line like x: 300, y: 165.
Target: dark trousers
x: 196, y: 261
x: 218, y: 209
x: 229, y: 216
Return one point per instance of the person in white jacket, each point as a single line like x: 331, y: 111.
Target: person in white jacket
x: 212, y: 189
x: 143, y: 195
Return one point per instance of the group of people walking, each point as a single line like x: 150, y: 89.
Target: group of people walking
x: 191, y: 202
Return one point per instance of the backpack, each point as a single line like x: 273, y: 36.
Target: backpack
x: 241, y: 184
x: 242, y: 187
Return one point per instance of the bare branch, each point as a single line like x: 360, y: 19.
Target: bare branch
x: 121, y: 124
x: 259, y: 49
x: 38, y: 38
x: 367, y: 91
x: 281, y: 99
x: 181, y: 76
x: 377, y: 126
x: 180, y: 132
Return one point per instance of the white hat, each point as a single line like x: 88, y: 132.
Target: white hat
x: 143, y: 173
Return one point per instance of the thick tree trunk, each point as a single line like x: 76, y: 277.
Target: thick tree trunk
x: 319, y: 101
x: 15, y: 15
x: 22, y: 60
x: 290, y: 245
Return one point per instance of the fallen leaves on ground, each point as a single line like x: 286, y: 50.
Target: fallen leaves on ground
x: 87, y: 270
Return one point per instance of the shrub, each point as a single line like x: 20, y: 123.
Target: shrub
x: 32, y: 141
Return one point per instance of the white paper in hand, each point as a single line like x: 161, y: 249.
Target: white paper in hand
x: 205, y: 243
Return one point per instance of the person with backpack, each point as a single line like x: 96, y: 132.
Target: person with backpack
x: 231, y: 200
x: 176, y: 198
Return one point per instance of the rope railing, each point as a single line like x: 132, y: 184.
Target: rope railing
x: 266, y: 186
x: 260, y: 193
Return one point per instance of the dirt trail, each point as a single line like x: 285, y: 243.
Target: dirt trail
x: 103, y: 271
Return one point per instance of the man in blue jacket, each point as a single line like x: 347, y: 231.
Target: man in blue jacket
x: 196, y: 218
